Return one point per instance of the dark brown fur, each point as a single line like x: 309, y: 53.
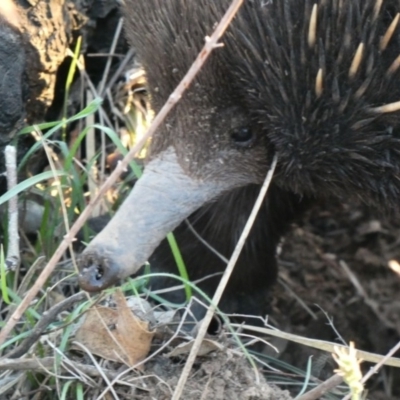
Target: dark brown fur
x: 333, y: 144
x: 220, y: 225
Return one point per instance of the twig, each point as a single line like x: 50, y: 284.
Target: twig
x: 121, y: 68
x: 364, y: 295
x: 101, y: 91
x: 321, y: 344
x: 224, y: 280
x: 43, y: 364
x: 210, y: 45
x: 321, y: 389
x: 24, y: 284
x: 53, y: 159
x: 203, y: 241
x: 98, y: 368
x: 13, y: 258
x: 47, y: 318
x: 90, y: 141
x: 114, y: 43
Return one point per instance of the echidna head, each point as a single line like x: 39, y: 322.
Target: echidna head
x: 322, y: 83
x: 314, y: 83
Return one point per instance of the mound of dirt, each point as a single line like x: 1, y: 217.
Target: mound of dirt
x: 221, y: 376
x: 340, y: 268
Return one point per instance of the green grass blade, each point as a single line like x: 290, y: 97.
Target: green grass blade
x: 3, y: 278
x: 90, y: 109
x: 27, y: 183
x: 180, y: 264
x: 307, y: 380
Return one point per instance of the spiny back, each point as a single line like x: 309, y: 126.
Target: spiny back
x: 323, y: 79
x: 319, y: 80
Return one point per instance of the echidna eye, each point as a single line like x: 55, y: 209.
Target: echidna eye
x: 243, y: 136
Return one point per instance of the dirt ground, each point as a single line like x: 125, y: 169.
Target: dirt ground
x: 220, y: 377
x: 337, y: 264
x: 335, y: 284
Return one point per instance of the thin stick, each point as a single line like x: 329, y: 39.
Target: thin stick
x: 118, y: 72
x: 114, y: 43
x: 49, y: 363
x: 224, y: 280
x: 13, y: 258
x: 321, y: 389
x: 210, y: 44
x: 102, y: 94
x: 47, y: 318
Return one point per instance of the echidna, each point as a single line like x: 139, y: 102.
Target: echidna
x: 314, y: 82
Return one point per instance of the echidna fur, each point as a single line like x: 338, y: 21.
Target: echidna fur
x: 315, y: 82
x: 220, y: 225
x: 311, y: 92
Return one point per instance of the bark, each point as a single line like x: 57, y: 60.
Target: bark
x: 35, y: 36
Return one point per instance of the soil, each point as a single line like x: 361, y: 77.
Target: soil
x: 222, y: 376
x: 337, y: 263
x: 335, y: 284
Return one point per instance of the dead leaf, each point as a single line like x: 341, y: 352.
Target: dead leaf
x: 135, y: 336
x: 116, y: 335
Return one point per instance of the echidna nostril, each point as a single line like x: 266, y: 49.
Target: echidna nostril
x: 96, y: 273
x: 99, y: 273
